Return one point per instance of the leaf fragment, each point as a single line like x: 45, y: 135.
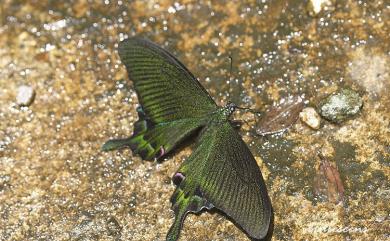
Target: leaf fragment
x: 328, y: 185
x: 280, y: 117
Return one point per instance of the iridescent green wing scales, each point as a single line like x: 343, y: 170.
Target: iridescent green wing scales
x: 166, y: 90
x: 234, y: 184
x: 184, y: 203
x: 156, y: 140
x: 223, y: 173
x: 151, y: 140
x: 173, y: 102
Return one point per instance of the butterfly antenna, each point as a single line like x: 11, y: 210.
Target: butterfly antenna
x: 230, y: 81
x: 231, y: 68
x: 230, y: 74
x: 254, y: 112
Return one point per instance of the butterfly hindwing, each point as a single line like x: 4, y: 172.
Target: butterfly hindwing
x: 151, y: 140
x: 223, y: 172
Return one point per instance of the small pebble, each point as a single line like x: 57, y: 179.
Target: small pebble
x: 25, y: 95
x: 340, y: 105
x: 316, y: 6
x: 310, y: 117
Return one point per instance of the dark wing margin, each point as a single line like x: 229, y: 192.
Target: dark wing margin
x: 223, y: 173
x: 166, y: 89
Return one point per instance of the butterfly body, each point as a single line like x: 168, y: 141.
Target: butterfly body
x: 221, y: 172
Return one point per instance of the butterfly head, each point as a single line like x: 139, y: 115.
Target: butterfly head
x: 229, y: 109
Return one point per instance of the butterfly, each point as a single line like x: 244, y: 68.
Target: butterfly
x: 221, y: 172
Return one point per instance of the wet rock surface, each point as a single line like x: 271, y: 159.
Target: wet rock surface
x: 56, y: 184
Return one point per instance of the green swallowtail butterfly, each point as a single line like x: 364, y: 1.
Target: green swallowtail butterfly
x: 221, y: 172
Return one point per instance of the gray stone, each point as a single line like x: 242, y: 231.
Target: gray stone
x: 341, y: 105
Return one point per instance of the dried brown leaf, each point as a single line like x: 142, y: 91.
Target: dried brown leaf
x: 327, y: 183
x: 280, y: 117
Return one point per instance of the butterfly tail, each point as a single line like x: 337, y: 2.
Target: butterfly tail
x: 136, y: 142
x: 180, y: 214
x: 116, y: 144
x: 182, y: 204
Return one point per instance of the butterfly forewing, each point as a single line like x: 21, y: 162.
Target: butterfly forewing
x: 166, y: 90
